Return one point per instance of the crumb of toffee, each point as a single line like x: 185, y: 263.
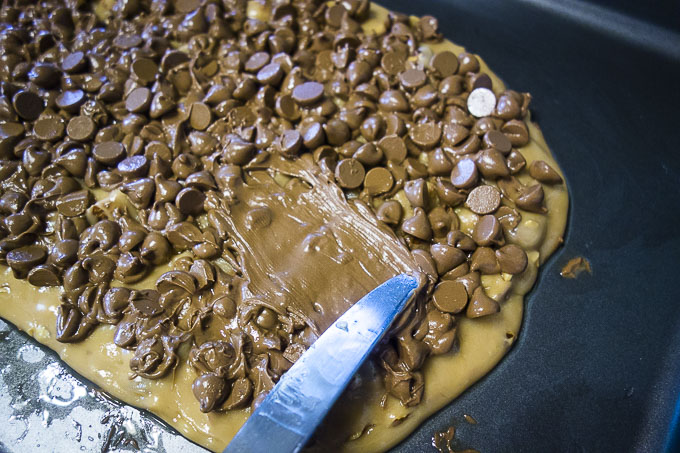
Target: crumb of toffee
x: 470, y: 419
x: 575, y: 267
x: 442, y: 442
x: 190, y: 112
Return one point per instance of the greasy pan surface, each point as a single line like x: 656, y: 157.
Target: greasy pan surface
x: 595, y: 368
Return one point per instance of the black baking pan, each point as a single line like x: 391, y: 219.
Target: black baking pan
x: 597, y: 364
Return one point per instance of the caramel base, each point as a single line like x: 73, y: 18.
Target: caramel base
x: 359, y: 423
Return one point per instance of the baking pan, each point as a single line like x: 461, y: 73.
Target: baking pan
x: 597, y: 364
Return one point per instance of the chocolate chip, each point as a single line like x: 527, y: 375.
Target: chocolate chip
x: 426, y: 135
x: 190, y: 201
x: 450, y: 297
x: 446, y: 257
x: 471, y: 280
x: 139, y: 100
x: 43, y: 275
x: 508, y: 217
x: 392, y: 63
x: 287, y: 108
x: 444, y: 63
x: 515, y: 161
x: 349, y: 173
x: 74, y: 204
x: 393, y: 101
x: 517, y: 132
x: 81, y: 128
x: 508, y: 107
x: 71, y: 100
x: 479, y: 80
x: 484, y: 125
x: 358, y: 72
x: 481, y: 102
x: 145, y: 304
x: 184, y: 235
x: 308, y: 93
x: 457, y: 272
x: 49, y: 128
x: 531, y: 199
x: 200, y: 116
x: 468, y: 63
x: 451, y: 86
x: 210, y: 390
x: 418, y: 225
x: 115, y: 301
x: 23, y: 259
x: 10, y: 133
x: 160, y: 105
x: 512, y: 259
x: 74, y: 62
x: 389, y: 212
x: 313, y: 135
x: 337, y: 132
x: 415, y: 169
x: 378, y: 180
x: 425, y: 263
x: 334, y: 15
x: 393, y: 147
x: 206, y: 250
x: 464, y: 174
x: 140, y: 192
x: 498, y: 141
x: 481, y: 305
x: 412, y: 78
x: 483, y: 199
x: 291, y: 142
x: 426, y: 96
x: 256, y: 62
x: 439, y: 163
x: 416, y: 193
x: 270, y: 74
x: 394, y: 125
x: 133, y: 167
x: 484, y: 260
x: 45, y: 75
x: 492, y: 164
x: 109, y: 153
x: 349, y: 149
x: 447, y: 193
x: 144, y: 69
x: 18, y: 223
x: 155, y: 248
x: 487, y: 231
x: 64, y: 253
x: 28, y: 105
x: 441, y: 221
x: 12, y: 202
x: 127, y: 41
x: 368, y: 154
x: 544, y: 173
x: 200, y: 180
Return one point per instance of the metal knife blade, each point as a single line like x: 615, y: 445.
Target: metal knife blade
x: 287, y: 418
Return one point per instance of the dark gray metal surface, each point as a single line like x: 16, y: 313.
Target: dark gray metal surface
x: 289, y: 415
x: 596, y: 367
x: 597, y: 364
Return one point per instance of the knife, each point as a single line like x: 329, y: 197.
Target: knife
x: 288, y: 416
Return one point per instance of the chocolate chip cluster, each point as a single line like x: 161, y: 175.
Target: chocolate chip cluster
x: 166, y: 102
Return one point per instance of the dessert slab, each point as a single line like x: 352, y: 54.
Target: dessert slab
x: 595, y: 365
